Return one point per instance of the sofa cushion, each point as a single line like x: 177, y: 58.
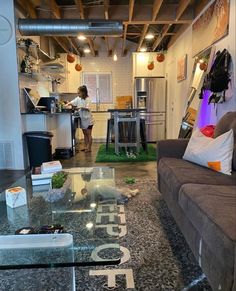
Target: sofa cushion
x: 212, y: 211
x: 215, y: 153
x: 227, y: 122
x: 177, y: 172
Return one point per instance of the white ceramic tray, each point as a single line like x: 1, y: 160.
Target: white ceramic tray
x: 30, y: 241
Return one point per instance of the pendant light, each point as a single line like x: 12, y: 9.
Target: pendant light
x: 115, y: 58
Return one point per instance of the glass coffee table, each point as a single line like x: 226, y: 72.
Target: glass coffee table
x: 77, y: 228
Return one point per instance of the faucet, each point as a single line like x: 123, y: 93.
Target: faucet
x: 97, y: 99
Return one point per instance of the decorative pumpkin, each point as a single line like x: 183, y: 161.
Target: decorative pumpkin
x: 203, y: 66
x: 160, y: 57
x: 78, y: 67
x: 150, y: 66
x: 70, y: 58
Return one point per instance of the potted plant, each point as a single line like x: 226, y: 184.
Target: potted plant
x: 59, y: 185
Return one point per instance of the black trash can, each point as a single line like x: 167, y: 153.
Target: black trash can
x: 39, y: 147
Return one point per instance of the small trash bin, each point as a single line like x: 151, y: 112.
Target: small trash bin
x: 39, y: 147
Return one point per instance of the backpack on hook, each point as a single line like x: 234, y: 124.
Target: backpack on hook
x: 218, y: 78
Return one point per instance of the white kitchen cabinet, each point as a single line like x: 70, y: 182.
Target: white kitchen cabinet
x: 72, y: 77
x: 140, y: 63
x: 100, y: 126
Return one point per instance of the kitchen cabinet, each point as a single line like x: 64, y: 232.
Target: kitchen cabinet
x: 140, y: 63
x: 99, y: 131
x: 72, y: 77
x: 100, y: 126
x: 156, y: 126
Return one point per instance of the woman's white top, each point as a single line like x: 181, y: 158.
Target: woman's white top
x: 86, y: 117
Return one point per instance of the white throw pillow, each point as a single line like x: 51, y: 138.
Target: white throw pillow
x: 212, y: 153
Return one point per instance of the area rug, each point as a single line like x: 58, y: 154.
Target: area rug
x: 160, y: 259
x: 104, y: 156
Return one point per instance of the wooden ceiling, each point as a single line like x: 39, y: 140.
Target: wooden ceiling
x: 166, y: 19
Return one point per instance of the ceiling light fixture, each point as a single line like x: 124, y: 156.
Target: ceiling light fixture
x: 143, y: 49
x: 87, y: 50
x: 115, y: 58
x: 149, y: 35
x: 81, y: 37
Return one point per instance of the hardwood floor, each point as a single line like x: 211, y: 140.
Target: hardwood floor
x: 82, y: 159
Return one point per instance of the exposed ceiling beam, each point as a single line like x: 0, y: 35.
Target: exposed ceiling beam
x: 57, y: 14
x: 156, y: 8
x: 61, y: 43
x: 123, y: 50
x: 55, y: 9
x: 139, y: 22
x: 79, y: 3
x: 74, y: 45
x: 91, y: 45
x: 145, y: 28
x: 177, y: 35
x: 200, y: 6
x: 27, y: 6
x: 81, y: 8
x: 160, y: 38
x: 183, y: 4
x: 131, y: 9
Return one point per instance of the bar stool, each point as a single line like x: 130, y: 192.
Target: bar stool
x: 130, y: 130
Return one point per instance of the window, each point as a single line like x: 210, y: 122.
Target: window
x: 99, y: 87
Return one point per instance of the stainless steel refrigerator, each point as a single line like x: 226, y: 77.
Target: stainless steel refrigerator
x: 150, y: 95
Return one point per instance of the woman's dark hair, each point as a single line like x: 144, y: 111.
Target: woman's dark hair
x: 83, y: 89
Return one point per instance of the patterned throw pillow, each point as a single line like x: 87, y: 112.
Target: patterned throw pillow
x: 212, y: 153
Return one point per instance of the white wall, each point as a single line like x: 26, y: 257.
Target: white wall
x: 178, y: 92
x: 11, y: 149
x: 121, y: 73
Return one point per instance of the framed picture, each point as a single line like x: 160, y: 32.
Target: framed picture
x: 211, y: 26
x: 182, y: 68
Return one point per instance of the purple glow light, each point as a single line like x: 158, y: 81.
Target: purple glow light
x: 204, y: 117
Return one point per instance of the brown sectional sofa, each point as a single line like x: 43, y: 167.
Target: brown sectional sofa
x: 203, y: 203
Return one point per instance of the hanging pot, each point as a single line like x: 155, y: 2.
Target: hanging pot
x: 150, y: 66
x: 78, y: 67
x: 70, y: 58
x: 160, y: 57
x: 203, y: 66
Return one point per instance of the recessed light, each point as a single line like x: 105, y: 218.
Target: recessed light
x: 149, y: 36
x: 82, y: 37
x: 143, y: 49
x: 87, y: 50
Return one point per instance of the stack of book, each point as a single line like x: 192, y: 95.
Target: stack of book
x: 42, y: 176
x: 51, y: 167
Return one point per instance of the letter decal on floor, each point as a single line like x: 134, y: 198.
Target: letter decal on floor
x: 111, y: 276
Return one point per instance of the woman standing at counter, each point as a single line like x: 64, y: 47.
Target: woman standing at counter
x: 83, y: 104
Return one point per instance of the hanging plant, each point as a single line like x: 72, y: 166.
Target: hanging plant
x: 78, y: 67
x: 203, y: 66
x: 160, y: 57
x: 150, y: 66
x: 70, y: 58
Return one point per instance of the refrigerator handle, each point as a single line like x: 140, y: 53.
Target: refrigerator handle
x: 150, y: 94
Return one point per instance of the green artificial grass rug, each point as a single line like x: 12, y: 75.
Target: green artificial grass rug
x: 104, y: 156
